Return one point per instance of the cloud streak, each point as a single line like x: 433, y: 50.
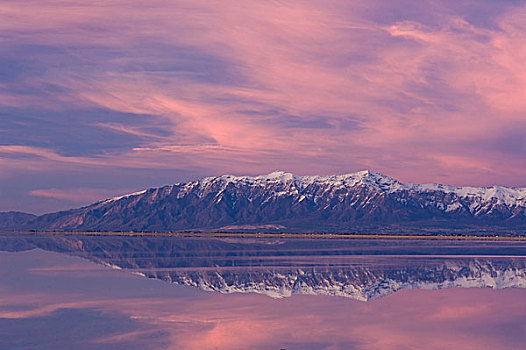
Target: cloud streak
x: 82, y: 195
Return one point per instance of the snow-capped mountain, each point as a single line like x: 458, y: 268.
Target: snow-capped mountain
x: 362, y: 201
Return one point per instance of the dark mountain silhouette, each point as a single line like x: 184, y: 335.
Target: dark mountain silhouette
x: 12, y: 220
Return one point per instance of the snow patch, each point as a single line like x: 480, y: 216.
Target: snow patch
x: 124, y: 196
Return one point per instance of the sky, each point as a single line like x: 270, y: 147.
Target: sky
x: 101, y: 98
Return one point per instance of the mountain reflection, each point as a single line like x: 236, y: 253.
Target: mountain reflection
x: 362, y: 269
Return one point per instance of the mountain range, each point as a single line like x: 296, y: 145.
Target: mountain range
x: 365, y: 201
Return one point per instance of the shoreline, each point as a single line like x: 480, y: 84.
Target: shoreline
x: 279, y: 235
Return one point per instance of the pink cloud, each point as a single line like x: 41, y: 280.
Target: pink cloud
x: 410, y: 319
x: 76, y: 194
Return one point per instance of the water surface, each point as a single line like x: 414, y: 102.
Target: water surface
x: 59, y: 292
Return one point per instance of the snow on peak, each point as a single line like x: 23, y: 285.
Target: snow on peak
x: 124, y: 196
x: 277, y: 176
x: 376, y: 179
x: 501, y: 195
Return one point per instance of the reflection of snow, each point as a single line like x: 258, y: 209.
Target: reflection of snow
x: 361, y: 283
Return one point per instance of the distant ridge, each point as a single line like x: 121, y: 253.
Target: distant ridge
x: 12, y: 220
x: 364, y: 201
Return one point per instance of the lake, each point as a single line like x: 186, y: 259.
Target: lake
x: 145, y: 292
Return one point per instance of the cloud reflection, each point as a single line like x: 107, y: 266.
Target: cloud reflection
x: 116, y: 309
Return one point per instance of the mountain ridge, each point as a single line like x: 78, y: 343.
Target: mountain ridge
x: 13, y: 219
x: 368, y: 177
x: 355, y: 202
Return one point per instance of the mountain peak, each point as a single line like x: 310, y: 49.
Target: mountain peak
x: 379, y: 180
x: 362, y: 173
x: 277, y: 175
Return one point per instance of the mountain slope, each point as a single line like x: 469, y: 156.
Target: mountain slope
x: 362, y: 201
x: 12, y: 220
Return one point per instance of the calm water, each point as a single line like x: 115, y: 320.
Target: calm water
x: 59, y: 292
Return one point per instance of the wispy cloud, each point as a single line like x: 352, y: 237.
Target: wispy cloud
x: 84, y: 195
